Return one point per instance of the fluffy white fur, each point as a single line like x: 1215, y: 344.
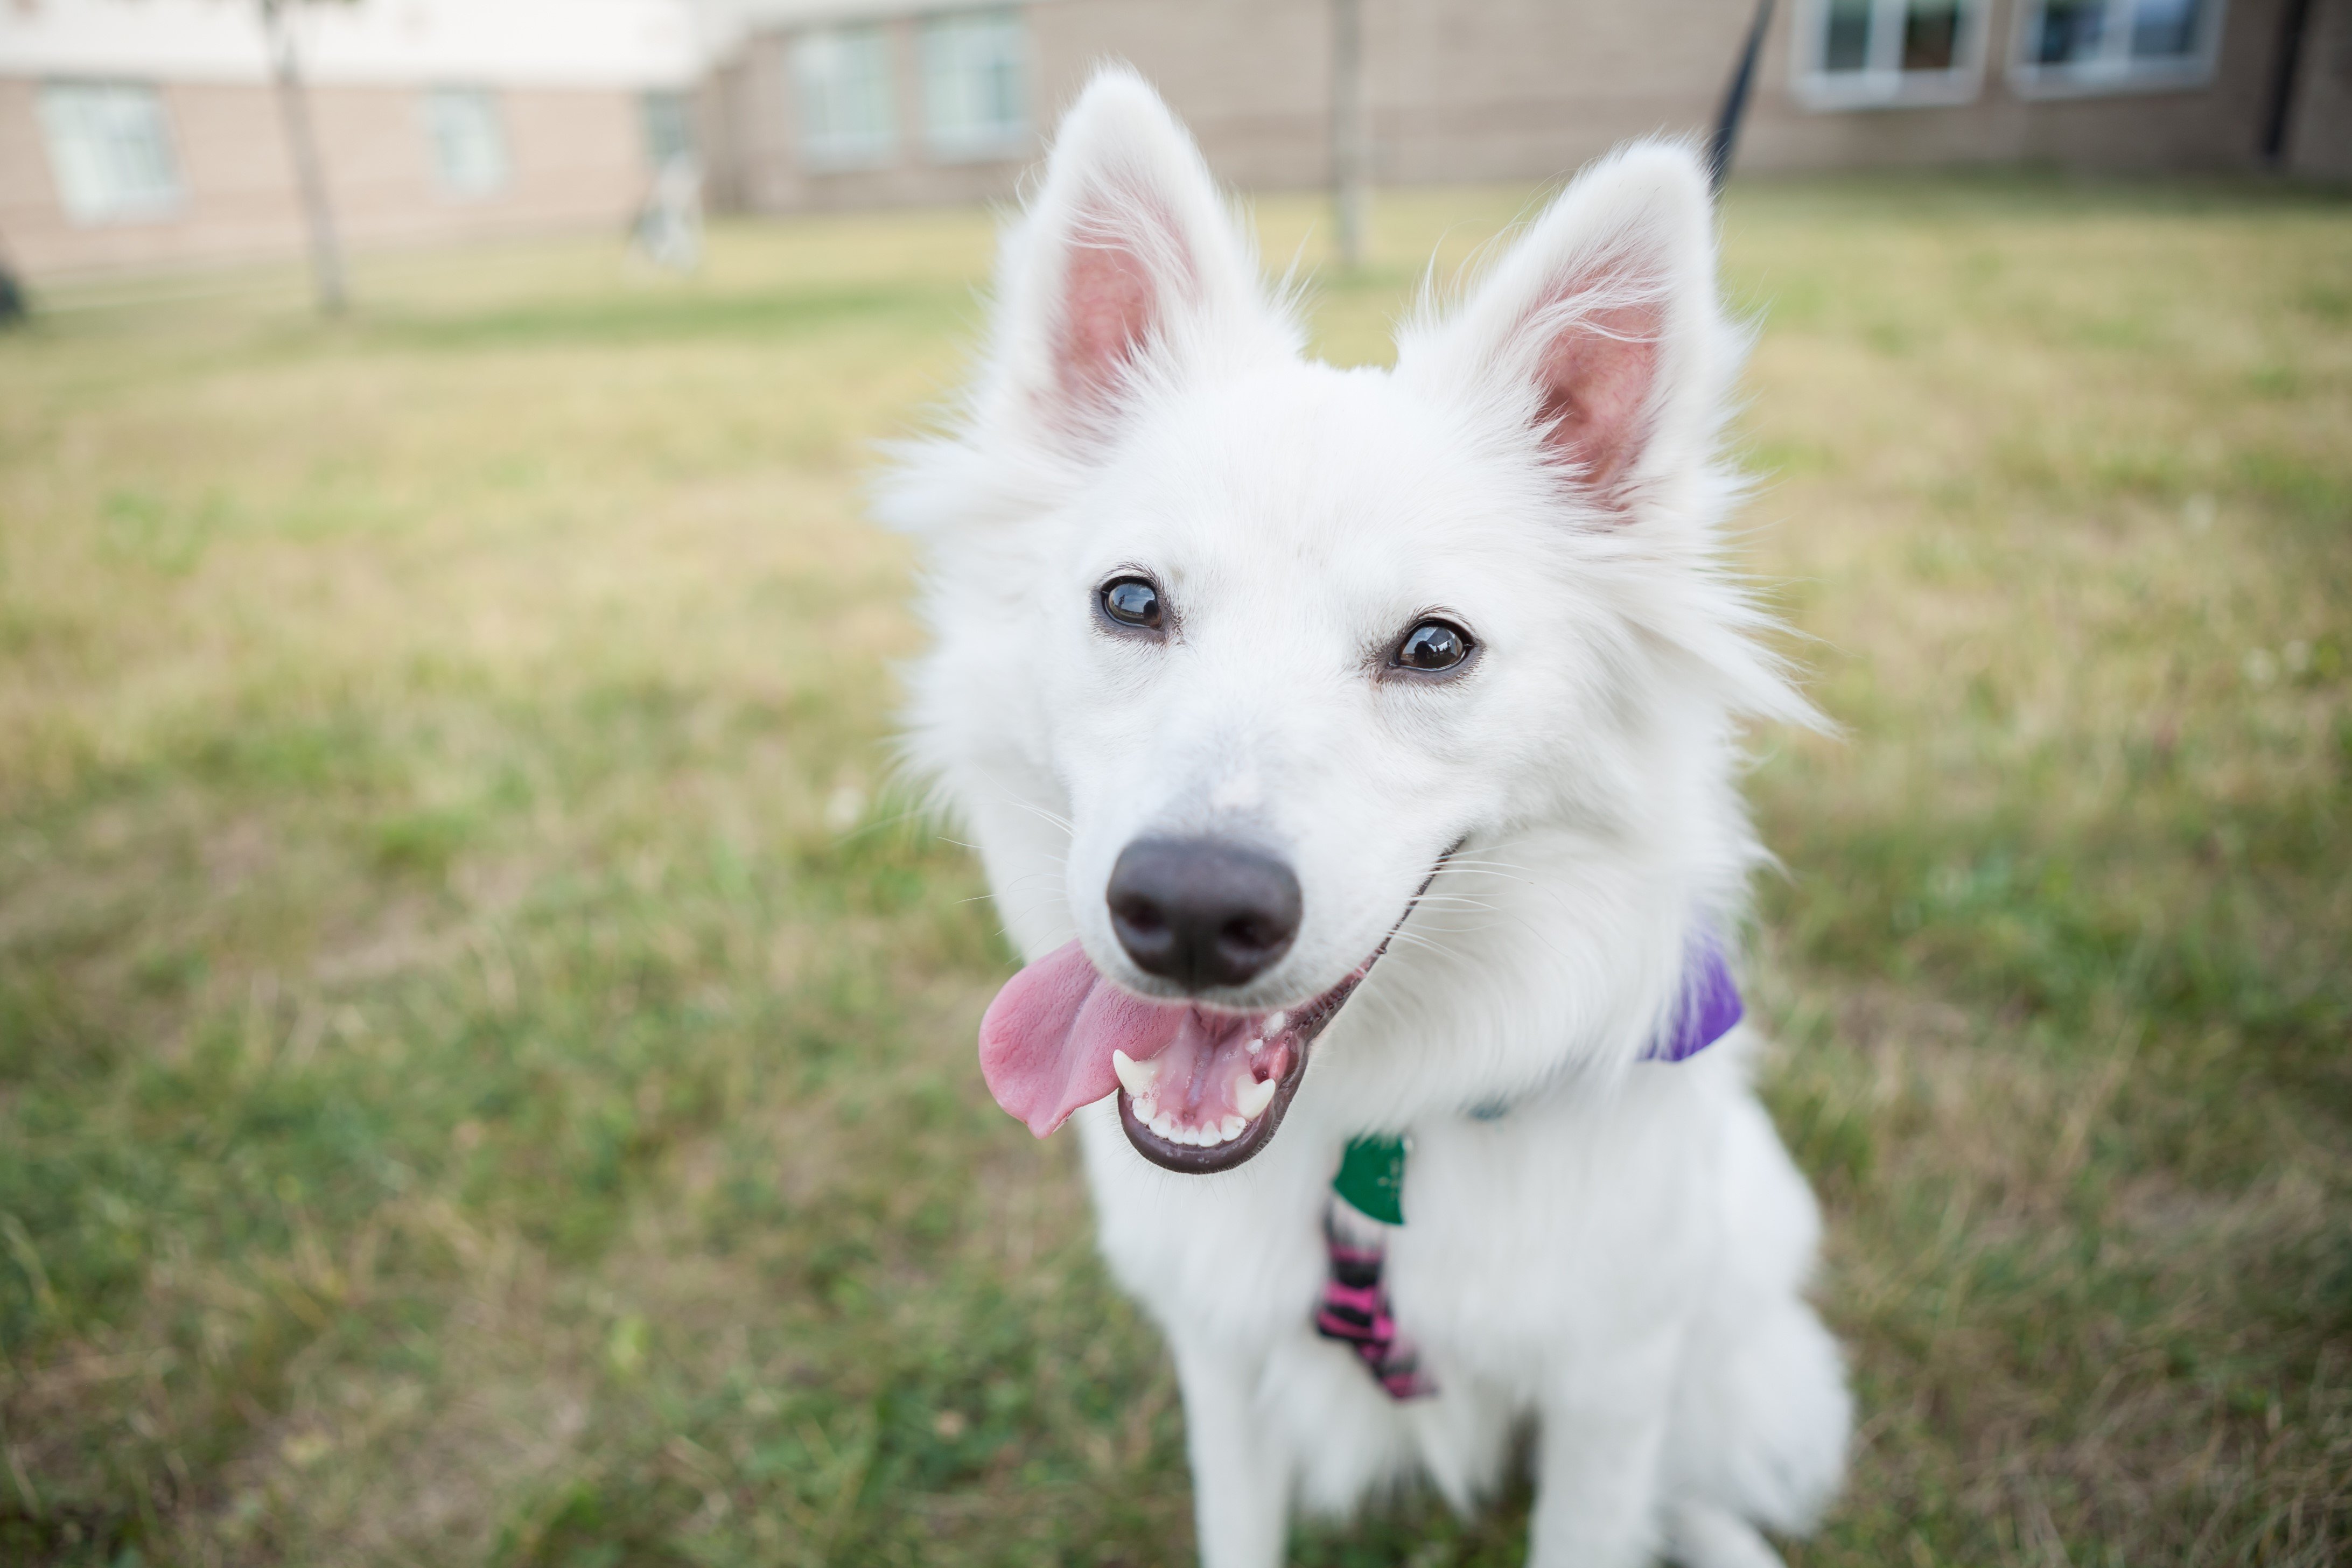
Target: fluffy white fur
x: 1620, y: 1260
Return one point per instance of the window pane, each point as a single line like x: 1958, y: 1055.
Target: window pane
x: 975, y: 88
x: 469, y: 140
x: 849, y: 114
x: 2164, y: 29
x: 111, y: 150
x: 2069, y: 32
x: 1846, y: 44
x: 669, y: 126
x: 1931, y: 35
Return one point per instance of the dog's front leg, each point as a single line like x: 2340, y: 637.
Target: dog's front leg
x: 1597, y: 1455
x: 1241, y: 1482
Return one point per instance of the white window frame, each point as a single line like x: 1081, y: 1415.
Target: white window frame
x: 86, y: 171
x: 497, y: 175
x: 830, y: 149
x: 1883, y: 83
x: 945, y: 46
x: 2114, y: 69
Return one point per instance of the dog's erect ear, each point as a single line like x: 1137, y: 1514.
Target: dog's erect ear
x: 1599, y: 329
x: 1127, y: 252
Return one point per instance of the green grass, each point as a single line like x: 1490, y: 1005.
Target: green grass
x: 485, y: 1065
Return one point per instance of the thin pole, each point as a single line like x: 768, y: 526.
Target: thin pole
x: 2292, y: 25
x: 1350, y: 137
x: 1735, y: 99
x: 294, y: 106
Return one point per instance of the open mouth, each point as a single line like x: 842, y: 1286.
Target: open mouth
x: 1214, y: 1094
x: 1199, y: 1089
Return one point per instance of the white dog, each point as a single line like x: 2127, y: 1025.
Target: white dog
x: 1353, y: 753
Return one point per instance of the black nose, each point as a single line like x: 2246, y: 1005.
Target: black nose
x: 1200, y: 912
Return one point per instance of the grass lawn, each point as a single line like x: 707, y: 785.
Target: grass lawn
x: 486, y: 1068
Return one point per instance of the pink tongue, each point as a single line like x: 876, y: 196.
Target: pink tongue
x: 1047, y: 1041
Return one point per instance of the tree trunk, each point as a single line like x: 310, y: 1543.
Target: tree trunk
x: 294, y: 107
x: 1351, y: 136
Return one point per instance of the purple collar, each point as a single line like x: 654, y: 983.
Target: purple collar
x: 1709, y: 1007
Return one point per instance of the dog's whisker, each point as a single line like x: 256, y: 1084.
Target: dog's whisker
x: 1034, y: 809
x: 1420, y: 939
x: 1455, y: 930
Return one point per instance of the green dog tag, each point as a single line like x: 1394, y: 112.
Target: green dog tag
x: 1371, y: 1178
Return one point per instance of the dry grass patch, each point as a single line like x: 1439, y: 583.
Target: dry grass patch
x: 484, y: 1065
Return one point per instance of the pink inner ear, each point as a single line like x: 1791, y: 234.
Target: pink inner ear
x: 1107, y: 305
x: 1597, y: 376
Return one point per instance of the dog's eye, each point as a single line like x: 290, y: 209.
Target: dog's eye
x: 1132, y: 602
x: 1432, y: 646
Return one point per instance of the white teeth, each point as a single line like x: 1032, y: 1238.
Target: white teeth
x: 1255, y: 1047
x: 1251, y: 1100
x: 1166, y: 1127
x: 1139, y: 1079
x: 1274, y: 1024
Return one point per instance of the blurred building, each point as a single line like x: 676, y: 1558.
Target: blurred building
x: 820, y: 103
x: 145, y: 132
x: 148, y: 132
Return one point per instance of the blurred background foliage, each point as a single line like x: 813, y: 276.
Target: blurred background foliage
x: 486, y: 1059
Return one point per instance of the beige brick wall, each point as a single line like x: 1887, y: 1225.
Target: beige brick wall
x: 1502, y: 90
x: 1522, y: 89
x: 577, y: 160
x: 238, y: 191
x: 1530, y: 89
x: 1252, y: 78
x: 758, y: 169
x: 1252, y: 81
x: 28, y: 197
x: 2214, y: 127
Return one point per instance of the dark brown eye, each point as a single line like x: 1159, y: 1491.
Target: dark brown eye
x: 1433, y: 647
x: 1132, y: 602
